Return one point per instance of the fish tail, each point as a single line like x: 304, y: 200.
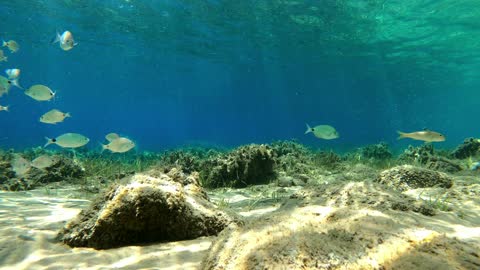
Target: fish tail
x: 6, y: 108
x: 401, y: 135
x: 67, y: 115
x: 309, y: 129
x: 49, y: 141
x: 104, y: 147
x: 56, y: 38
x: 4, y: 43
x: 16, y: 83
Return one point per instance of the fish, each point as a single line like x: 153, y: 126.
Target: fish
x: 40, y: 92
x: 3, y: 58
x: 12, y: 73
x: 3, y: 108
x: 65, y: 40
x: 12, y: 45
x: 54, y: 116
x: 325, y: 132
x: 424, y: 135
x: 20, y: 165
x: 42, y: 162
x: 112, y: 136
x: 119, y: 144
x: 5, y: 85
x: 68, y: 140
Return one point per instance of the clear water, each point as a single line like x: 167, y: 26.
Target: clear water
x: 173, y: 73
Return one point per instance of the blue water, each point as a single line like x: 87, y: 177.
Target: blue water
x: 175, y: 73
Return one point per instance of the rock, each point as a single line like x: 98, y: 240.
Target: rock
x: 152, y: 207
x: 63, y: 168
x: 427, y: 156
x: 410, y: 177
x: 247, y: 165
x: 443, y: 164
x: 468, y: 148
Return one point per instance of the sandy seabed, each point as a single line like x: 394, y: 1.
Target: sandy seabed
x: 340, y: 228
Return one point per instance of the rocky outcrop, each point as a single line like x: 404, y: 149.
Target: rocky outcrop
x: 409, y: 177
x: 247, y: 165
x: 468, y: 148
x: 152, y: 207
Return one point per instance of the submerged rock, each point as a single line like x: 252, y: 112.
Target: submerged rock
x: 247, y: 165
x: 426, y: 155
x: 62, y: 169
x: 410, y: 177
x: 468, y: 148
x: 152, y: 207
x: 376, y: 151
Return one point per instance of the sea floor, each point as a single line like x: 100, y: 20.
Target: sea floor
x: 30, y: 220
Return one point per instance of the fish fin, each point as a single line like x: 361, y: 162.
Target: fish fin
x: 309, y: 129
x: 4, y: 44
x: 7, y: 108
x: 49, y: 141
x: 67, y: 115
x: 401, y: 135
x: 75, y: 44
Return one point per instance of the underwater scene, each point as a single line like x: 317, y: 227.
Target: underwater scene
x: 221, y: 134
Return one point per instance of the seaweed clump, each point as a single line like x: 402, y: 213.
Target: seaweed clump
x: 468, y: 148
x: 292, y: 157
x: 378, y: 151
x: 246, y: 165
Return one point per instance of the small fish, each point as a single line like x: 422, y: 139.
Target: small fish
x: 66, y: 40
x: 13, y: 73
x: 3, y: 58
x: 54, y: 116
x: 42, y: 162
x: 12, y: 45
x: 118, y: 145
x: 5, y: 85
x: 325, y: 132
x: 40, y: 92
x: 424, y: 135
x: 68, y: 140
x: 3, y: 108
x: 20, y: 165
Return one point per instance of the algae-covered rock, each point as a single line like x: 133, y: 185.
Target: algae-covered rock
x: 409, y: 177
x: 153, y: 207
x: 63, y: 168
x: 246, y: 165
x: 376, y: 151
x: 426, y: 155
x: 468, y: 148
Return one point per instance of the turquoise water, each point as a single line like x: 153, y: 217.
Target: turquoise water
x: 226, y: 73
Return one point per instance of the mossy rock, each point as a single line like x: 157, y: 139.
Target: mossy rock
x: 410, y: 177
x: 246, y: 165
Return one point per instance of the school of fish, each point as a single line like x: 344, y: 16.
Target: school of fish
x: 40, y: 92
x: 116, y: 143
